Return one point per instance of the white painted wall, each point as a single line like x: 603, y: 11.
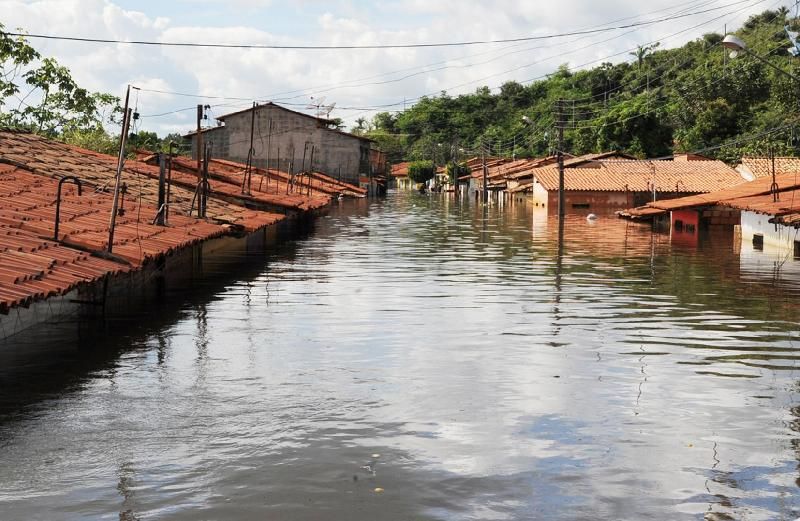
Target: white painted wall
x: 776, y: 261
x: 778, y: 238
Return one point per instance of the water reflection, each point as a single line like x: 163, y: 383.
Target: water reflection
x: 466, y: 361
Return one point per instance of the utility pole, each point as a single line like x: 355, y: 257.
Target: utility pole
x: 269, y: 149
x: 560, y: 156
x: 162, y: 188
x: 653, y: 169
x: 279, y: 169
x: 199, y: 142
x: 248, y: 169
x: 310, y: 169
x: 485, y: 173
x: 126, y: 120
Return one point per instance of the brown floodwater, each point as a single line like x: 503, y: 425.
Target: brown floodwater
x: 413, y: 358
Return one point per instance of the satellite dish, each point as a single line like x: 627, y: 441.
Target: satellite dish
x: 328, y: 109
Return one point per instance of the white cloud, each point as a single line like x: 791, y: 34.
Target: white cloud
x: 258, y: 73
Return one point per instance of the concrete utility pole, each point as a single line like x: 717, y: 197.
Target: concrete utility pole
x: 199, y: 142
x: 560, y: 157
x: 126, y: 121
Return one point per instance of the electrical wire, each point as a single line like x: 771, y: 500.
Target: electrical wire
x: 365, y: 110
x: 372, y: 46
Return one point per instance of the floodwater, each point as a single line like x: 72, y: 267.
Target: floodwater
x: 414, y: 358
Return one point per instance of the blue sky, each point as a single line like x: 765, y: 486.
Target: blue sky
x: 216, y: 75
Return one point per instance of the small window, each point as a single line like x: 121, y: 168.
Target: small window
x: 581, y: 206
x: 797, y: 249
x: 678, y: 225
x: 758, y: 242
x: 690, y: 228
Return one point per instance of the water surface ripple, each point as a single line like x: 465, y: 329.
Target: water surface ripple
x: 455, y: 357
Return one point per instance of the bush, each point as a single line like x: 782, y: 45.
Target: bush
x: 421, y: 171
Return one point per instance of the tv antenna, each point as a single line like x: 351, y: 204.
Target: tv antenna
x: 320, y: 108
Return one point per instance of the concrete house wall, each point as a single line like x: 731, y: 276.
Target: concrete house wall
x: 773, y: 237
x: 336, y: 153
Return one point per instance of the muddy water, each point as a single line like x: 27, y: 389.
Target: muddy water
x: 417, y: 359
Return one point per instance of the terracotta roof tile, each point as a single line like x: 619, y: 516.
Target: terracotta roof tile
x: 760, y: 167
x: 637, y: 176
x: 55, y: 159
x: 33, y: 266
x: 754, y: 196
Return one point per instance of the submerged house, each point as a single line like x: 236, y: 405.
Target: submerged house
x: 60, y: 257
x: 292, y: 141
x: 399, y: 175
x: 603, y: 183
x: 769, y: 215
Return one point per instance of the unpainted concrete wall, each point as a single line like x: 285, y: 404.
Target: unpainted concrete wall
x: 335, y: 153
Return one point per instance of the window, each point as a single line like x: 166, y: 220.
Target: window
x: 758, y: 242
x: 678, y: 225
x: 797, y: 249
x: 581, y: 206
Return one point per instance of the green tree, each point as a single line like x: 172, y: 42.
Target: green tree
x: 40, y: 95
x: 421, y: 171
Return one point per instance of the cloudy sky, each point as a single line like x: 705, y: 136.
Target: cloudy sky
x: 358, y: 81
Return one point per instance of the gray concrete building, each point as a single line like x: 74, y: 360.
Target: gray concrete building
x: 287, y: 139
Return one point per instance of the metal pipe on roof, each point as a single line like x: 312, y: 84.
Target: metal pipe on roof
x: 73, y: 179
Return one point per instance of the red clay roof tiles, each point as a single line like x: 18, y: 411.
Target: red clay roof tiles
x: 752, y: 196
x: 760, y: 167
x: 35, y: 267
x: 638, y: 176
x: 55, y: 159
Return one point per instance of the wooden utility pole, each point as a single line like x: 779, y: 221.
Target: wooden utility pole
x: 248, y: 169
x: 310, y: 169
x: 269, y: 149
x: 485, y: 173
x: 560, y: 156
x: 126, y: 120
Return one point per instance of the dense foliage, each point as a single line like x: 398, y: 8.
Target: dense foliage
x: 456, y: 169
x: 421, y: 171
x: 692, y: 98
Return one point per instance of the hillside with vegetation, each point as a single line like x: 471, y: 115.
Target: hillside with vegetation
x: 691, y: 98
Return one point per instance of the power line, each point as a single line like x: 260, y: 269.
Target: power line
x: 411, y: 100
x: 372, y: 46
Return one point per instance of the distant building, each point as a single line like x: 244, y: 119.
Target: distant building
x: 753, y: 168
x: 291, y: 142
x: 769, y: 216
x: 602, y: 183
x: 399, y: 175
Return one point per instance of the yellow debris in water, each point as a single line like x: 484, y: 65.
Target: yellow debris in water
x: 378, y: 490
x: 376, y: 455
x: 690, y: 445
